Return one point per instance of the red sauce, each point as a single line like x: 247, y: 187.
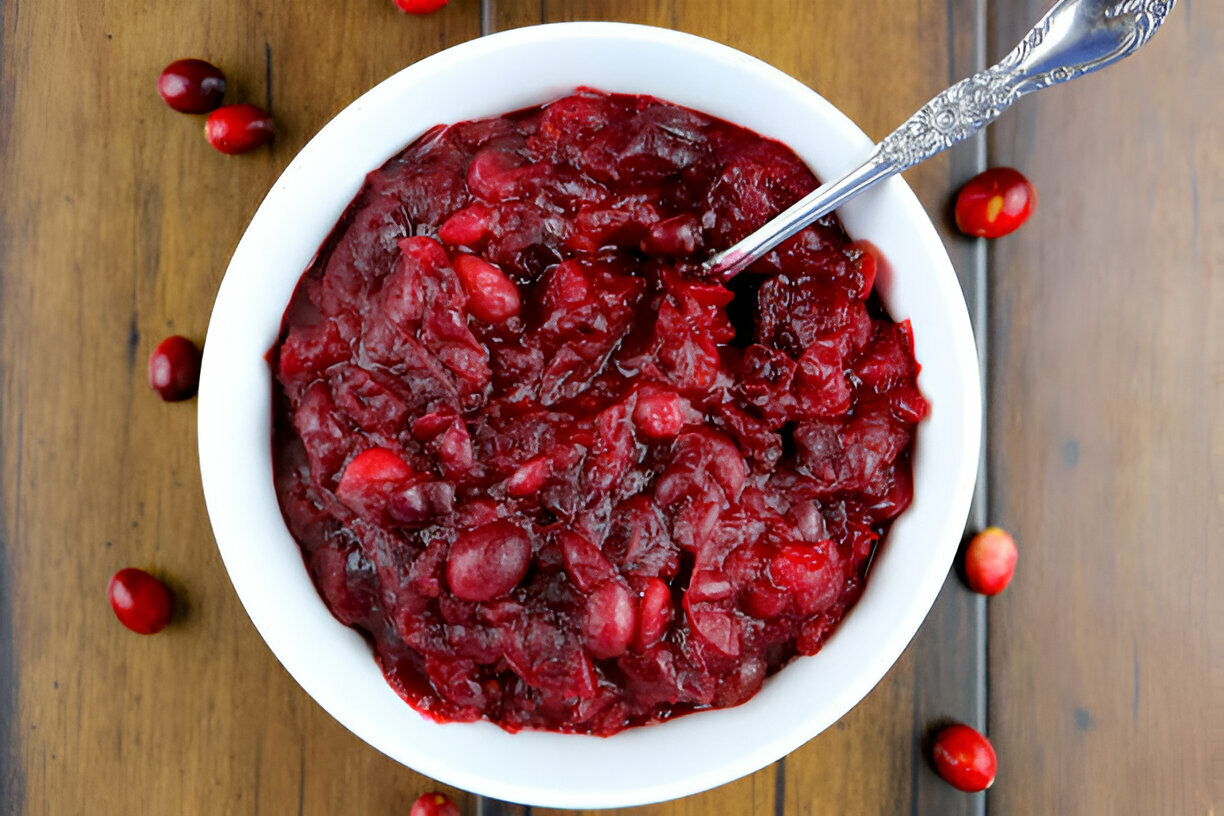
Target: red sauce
x: 557, y: 478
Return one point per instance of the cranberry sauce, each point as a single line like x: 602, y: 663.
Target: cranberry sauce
x: 558, y: 478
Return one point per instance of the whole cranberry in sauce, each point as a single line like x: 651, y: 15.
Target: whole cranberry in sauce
x: 140, y: 602
x: 238, y: 128
x: 560, y: 479
x: 174, y: 369
x: 191, y: 86
x: 995, y: 202
x: 964, y: 758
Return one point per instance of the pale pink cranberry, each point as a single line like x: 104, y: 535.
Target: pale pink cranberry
x: 488, y: 562
x: 140, y: 602
x: 529, y: 478
x: 492, y: 297
x: 659, y: 414
x: 611, y: 620
x: 174, y: 369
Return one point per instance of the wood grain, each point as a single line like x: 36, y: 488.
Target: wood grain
x: 1107, y: 654
x: 118, y: 221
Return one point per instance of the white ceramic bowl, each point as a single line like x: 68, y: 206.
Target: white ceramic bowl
x: 333, y: 664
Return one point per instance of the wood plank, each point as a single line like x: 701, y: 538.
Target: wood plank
x: 872, y: 761
x: 117, y: 224
x: 1107, y: 653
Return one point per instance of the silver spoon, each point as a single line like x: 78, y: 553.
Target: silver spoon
x: 1072, y: 39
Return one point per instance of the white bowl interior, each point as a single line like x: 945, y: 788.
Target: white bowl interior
x: 333, y: 664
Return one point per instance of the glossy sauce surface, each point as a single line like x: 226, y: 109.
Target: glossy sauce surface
x: 559, y: 479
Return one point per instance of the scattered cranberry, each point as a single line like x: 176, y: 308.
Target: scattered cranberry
x: 174, y: 369
x: 141, y: 602
x: 419, y: 7
x: 990, y: 561
x: 191, y: 86
x: 434, y: 804
x: 994, y: 203
x: 238, y: 128
x: 965, y: 759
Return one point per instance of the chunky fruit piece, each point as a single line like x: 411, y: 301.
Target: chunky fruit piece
x: 174, y: 369
x: 587, y: 488
x: 419, y: 7
x: 141, y: 602
x: 990, y: 561
x: 659, y: 414
x: 488, y: 562
x: 492, y: 297
x: 964, y: 758
x: 191, y: 85
x: 611, y: 620
x: 238, y: 128
x: 434, y: 804
x: 369, y: 480
x: 995, y: 202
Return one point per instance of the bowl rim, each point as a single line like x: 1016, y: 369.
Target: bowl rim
x: 226, y: 432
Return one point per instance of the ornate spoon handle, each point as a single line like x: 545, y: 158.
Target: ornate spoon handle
x: 1074, y: 38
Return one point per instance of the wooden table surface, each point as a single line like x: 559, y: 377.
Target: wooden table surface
x: 1099, y: 674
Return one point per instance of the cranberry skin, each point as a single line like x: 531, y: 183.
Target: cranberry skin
x: 990, y: 561
x: 419, y: 7
x: 141, y: 602
x: 492, y: 297
x: 191, y: 86
x: 965, y: 759
x: 488, y: 562
x: 174, y: 369
x: 434, y: 804
x: 237, y: 129
x: 994, y: 203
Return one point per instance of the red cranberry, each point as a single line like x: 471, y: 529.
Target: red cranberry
x: 611, y: 620
x: 492, y: 297
x: 488, y: 562
x: 465, y: 227
x: 990, y: 561
x: 655, y: 613
x: 191, y: 86
x: 994, y: 203
x: 965, y: 758
x: 238, y: 128
x: 174, y: 369
x: 434, y: 804
x: 367, y: 480
x: 141, y: 602
x: 419, y: 7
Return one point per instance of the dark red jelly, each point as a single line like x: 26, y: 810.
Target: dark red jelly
x: 560, y: 479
